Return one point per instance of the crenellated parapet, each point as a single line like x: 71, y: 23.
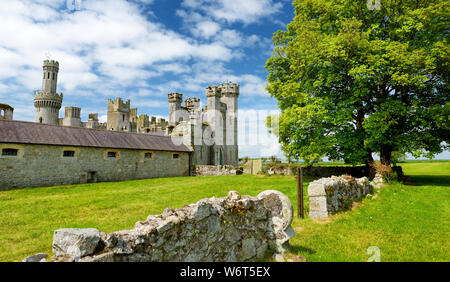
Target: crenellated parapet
x: 192, y: 103
x: 175, y: 97
x: 229, y: 88
x: 213, y: 91
x: 51, y: 64
x: 53, y: 100
x: 119, y: 105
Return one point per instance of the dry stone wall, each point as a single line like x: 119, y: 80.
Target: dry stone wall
x: 216, y: 170
x: 333, y: 194
x: 233, y: 228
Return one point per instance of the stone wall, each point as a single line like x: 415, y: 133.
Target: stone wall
x: 216, y: 170
x: 233, y: 228
x: 333, y: 194
x: 253, y: 167
x: 40, y: 165
x: 328, y: 171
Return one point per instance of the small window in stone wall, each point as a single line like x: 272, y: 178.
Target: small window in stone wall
x: 9, y: 152
x: 69, y: 154
x: 112, y: 155
x: 148, y: 155
x: 175, y: 156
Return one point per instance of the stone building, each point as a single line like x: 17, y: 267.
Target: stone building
x: 66, y: 150
x: 6, y: 112
x: 33, y: 154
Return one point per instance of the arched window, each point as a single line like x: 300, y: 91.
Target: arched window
x: 40, y: 120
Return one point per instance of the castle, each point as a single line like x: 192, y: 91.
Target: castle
x: 34, y: 154
x: 216, y: 123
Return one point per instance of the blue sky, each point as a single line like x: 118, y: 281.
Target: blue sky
x: 142, y: 50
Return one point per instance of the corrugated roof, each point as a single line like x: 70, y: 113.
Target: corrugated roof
x: 35, y: 133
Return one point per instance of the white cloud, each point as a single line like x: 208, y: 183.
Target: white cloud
x: 231, y: 11
x: 205, y: 29
x: 105, y: 38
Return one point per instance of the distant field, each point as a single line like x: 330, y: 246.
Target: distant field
x: 407, y: 222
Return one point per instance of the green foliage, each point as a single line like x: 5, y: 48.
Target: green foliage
x: 352, y: 81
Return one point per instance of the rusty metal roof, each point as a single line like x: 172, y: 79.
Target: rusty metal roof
x: 42, y: 134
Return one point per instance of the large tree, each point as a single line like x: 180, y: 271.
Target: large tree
x: 351, y: 81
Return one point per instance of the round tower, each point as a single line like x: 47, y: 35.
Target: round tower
x: 48, y: 102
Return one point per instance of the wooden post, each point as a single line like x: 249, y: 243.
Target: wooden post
x: 300, y: 207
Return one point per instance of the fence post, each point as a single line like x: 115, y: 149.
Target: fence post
x: 300, y: 207
x: 302, y: 214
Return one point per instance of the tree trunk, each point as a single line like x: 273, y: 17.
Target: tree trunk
x: 385, y: 156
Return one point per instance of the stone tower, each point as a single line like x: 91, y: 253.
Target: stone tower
x: 92, y: 121
x: 6, y: 112
x: 72, y: 117
x: 174, y: 108
x: 118, y: 118
x: 48, y: 102
x: 230, y: 95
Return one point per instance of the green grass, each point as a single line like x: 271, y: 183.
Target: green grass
x: 407, y: 222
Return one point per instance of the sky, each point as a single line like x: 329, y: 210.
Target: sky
x: 142, y: 50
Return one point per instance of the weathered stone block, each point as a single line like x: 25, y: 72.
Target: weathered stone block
x: 333, y: 194
x: 75, y: 243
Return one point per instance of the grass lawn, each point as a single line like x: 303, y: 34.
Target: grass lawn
x: 407, y: 222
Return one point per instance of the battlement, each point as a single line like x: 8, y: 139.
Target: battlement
x: 93, y: 117
x: 6, y: 107
x: 55, y: 97
x: 51, y: 64
x: 118, y: 105
x: 175, y: 97
x: 72, y: 112
x: 229, y: 88
x: 213, y: 91
x: 192, y: 103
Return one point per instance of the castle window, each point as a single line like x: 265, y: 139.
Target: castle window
x: 69, y: 154
x: 112, y: 155
x: 175, y: 156
x: 53, y: 76
x: 48, y: 76
x: 9, y: 152
x: 40, y: 120
x: 148, y: 155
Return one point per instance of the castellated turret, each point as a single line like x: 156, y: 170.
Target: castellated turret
x: 230, y: 95
x: 48, y: 102
x: 175, y: 100
x: 118, y: 117
x: 72, y: 117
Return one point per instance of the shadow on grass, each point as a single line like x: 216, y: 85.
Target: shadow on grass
x: 429, y: 180
x: 300, y: 250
